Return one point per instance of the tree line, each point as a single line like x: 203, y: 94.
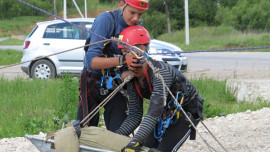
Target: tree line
x: 243, y: 15
x: 240, y: 14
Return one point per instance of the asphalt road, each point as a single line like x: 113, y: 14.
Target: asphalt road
x: 229, y: 60
x: 219, y: 65
x: 13, y: 47
x: 230, y: 64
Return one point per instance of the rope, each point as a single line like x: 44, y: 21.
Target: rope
x: 53, y: 54
x: 50, y: 14
x: 213, y: 136
x: 59, y: 18
x: 105, y: 101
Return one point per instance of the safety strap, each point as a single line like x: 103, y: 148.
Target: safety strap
x: 83, y: 90
x: 89, y: 38
x: 148, y: 81
x: 114, y: 29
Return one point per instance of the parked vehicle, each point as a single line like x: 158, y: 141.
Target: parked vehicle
x: 166, y: 52
x: 51, y: 37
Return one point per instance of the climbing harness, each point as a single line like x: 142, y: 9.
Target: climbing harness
x: 170, y: 116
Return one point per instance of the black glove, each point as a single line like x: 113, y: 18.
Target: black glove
x: 131, y: 61
x: 133, y: 146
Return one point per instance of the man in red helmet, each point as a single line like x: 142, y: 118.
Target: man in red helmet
x: 164, y: 127
x: 99, y: 61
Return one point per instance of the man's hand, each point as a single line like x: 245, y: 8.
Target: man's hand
x: 131, y: 61
x: 133, y: 146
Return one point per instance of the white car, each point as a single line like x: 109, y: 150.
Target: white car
x: 166, y: 52
x: 54, y: 36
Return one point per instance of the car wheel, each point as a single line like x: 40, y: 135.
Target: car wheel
x: 43, y: 69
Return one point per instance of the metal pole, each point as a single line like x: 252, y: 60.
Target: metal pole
x: 78, y: 9
x: 85, y: 5
x: 65, y: 9
x: 168, y: 17
x: 186, y: 22
x: 55, y: 11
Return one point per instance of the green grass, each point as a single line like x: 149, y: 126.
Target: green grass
x: 12, y: 42
x: 19, y: 25
x: 222, y: 37
x: 8, y: 57
x: 95, y: 5
x: 31, y: 106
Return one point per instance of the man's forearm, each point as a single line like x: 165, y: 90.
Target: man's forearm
x: 99, y: 63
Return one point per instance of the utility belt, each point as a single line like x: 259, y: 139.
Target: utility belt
x: 91, y: 75
x: 107, y: 82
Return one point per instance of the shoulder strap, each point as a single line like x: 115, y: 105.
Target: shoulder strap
x: 114, y: 29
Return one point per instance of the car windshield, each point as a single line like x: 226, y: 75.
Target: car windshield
x: 164, y: 52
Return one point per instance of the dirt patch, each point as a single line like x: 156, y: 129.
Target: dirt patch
x: 231, y: 45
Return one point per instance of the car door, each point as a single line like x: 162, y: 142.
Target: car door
x: 62, y: 37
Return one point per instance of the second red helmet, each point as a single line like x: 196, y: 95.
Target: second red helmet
x: 134, y: 35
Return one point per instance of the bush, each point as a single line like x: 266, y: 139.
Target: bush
x: 155, y: 23
x: 246, y: 15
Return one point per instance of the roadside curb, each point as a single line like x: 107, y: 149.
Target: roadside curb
x: 250, y: 90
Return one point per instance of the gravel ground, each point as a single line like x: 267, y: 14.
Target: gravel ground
x: 242, y: 132
x: 12, y: 72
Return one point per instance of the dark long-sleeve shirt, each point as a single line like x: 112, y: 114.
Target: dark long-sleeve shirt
x: 170, y: 76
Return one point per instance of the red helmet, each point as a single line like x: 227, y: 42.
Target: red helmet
x: 140, y: 4
x: 134, y: 35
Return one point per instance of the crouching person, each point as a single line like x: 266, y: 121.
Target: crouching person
x: 164, y: 127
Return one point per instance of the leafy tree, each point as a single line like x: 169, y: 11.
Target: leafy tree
x: 246, y: 15
x: 155, y: 23
x: 227, y: 3
x: 12, y: 8
x: 201, y: 12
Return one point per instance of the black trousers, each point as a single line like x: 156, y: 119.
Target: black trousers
x: 115, y: 109
x: 174, y: 136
